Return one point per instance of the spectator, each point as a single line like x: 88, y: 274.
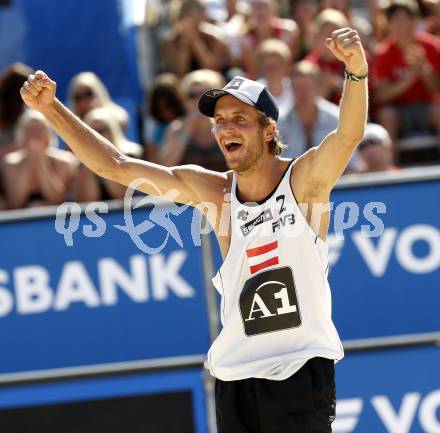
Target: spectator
x: 86, y: 92
x: 11, y: 104
x: 355, y: 20
x: 375, y: 150
x: 378, y: 20
x: 38, y: 173
x: 312, y: 117
x: 304, y: 13
x: 233, y: 28
x: 274, y: 61
x: 154, y: 23
x: 332, y: 77
x: 89, y: 186
x: 431, y: 16
x: 190, y: 140
x: 408, y: 75
x: 194, y: 43
x: 166, y: 103
x: 265, y: 24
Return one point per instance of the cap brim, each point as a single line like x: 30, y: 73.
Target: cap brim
x: 208, y: 100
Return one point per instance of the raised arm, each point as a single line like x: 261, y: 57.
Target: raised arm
x: 324, y: 164
x: 100, y: 156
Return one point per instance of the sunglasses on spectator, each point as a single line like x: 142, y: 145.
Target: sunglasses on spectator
x: 87, y: 94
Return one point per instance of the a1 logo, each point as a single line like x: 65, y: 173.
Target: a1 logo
x: 268, y: 302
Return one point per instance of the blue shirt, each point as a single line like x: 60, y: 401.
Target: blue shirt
x: 293, y: 134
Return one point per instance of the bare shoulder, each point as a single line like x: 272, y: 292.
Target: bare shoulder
x: 209, y: 185
x: 303, y: 183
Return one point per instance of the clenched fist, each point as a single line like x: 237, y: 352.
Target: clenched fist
x: 38, y: 92
x: 346, y: 46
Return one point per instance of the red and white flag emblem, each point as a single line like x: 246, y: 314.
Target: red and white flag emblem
x: 263, y: 256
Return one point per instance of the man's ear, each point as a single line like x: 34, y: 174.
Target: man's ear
x: 269, y: 132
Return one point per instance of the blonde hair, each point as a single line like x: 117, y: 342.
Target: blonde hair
x: 203, y: 77
x: 306, y: 68
x: 331, y: 16
x: 276, y: 47
x: 107, y: 116
x: 27, y: 117
x: 275, y: 144
x: 92, y: 81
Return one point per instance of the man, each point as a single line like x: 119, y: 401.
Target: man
x: 274, y: 357
x: 193, y: 43
x: 331, y: 81
x: 311, y: 117
x: 274, y: 60
x: 375, y: 150
x: 407, y: 71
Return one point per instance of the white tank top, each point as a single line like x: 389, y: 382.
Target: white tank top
x: 276, y: 300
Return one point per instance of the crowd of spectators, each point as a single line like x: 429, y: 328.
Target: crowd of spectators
x: 201, y: 44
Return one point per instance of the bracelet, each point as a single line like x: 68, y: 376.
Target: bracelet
x: 350, y: 76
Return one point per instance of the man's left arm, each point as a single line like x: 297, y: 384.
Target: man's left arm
x: 325, y: 164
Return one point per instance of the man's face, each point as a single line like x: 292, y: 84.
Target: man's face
x: 273, y: 65
x: 305, y: 90
x: 238, y: 133
x: 402, y: 24
x: 84, y: 100
x: 376, y: 156
x: 261, y: 10
x: 37, y: 134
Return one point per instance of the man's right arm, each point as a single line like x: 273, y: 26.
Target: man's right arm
x: 102, y: 157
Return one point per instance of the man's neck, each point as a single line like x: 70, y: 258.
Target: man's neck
x: 256, y: 184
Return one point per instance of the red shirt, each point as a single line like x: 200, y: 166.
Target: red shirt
x: 391, y: 65
x: 326, y: 64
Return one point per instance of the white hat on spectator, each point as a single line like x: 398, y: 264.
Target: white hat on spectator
x: 375, y: 134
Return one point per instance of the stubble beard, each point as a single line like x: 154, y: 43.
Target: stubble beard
x: 249, y: 161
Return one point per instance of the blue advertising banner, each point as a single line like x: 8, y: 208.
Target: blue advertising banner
x: 170, y: 402
x: 395, y: 391
x: 388, y: 284
x: 101, y: 288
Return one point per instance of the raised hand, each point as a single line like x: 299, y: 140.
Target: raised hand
x: 38, y: 92
x: 346, y: 46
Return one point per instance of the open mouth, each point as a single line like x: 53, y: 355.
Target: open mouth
x: 232, y: 146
